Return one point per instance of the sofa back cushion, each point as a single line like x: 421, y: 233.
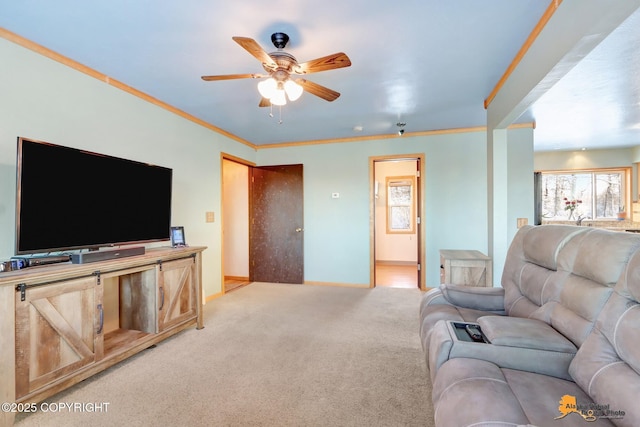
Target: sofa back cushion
x: 594, y: 262
x: 563, y: 274
x: 531, y: 277
x: 607, y: 365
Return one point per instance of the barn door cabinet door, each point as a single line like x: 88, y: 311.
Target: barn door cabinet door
x: 176, y: 292
x: 58, y: 331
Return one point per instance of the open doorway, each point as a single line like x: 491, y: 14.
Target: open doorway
x: 235, y: 223
x: 262, y: 223
x: 397, y: 248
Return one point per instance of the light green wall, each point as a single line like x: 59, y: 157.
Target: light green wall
x: 510, y: 190
x: 337, y: 233
x: 520, y: 182
x: 45, y: 100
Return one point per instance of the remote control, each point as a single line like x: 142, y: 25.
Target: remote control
x: 474, y: 332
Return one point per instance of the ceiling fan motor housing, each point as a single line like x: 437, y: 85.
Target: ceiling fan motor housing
x: 284, y: 61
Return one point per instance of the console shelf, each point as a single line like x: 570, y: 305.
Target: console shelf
x: 62, y: 323
x: 119, y: 340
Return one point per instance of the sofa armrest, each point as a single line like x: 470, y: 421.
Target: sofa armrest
x: 533, y: 345
x: 476, y: 298
x: 524, y: 333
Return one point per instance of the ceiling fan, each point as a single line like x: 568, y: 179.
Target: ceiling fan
x: 280, y: 67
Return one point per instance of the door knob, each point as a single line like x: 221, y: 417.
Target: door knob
x: 298, y: 230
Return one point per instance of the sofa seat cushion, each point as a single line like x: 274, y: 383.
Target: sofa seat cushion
x: 524, y: 333
x: 476, y: 392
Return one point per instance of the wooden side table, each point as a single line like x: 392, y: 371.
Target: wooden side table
x: 465, y: 267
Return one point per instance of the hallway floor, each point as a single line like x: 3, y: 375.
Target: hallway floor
x: 387, y: 275
x: 232, y: 284
x: 397, y: 276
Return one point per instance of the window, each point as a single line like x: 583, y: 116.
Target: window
x: 400, y: 204
x: 595, y: 194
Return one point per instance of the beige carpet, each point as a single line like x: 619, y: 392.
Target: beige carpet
x: 272, y: 355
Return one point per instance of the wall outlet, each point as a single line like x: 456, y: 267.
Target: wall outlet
x: 335, y: 195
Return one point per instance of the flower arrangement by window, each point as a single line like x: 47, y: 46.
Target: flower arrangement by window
x: 571, y: 205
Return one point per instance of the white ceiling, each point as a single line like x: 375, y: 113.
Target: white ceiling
x: 429, y: 63
x: 596, y: 104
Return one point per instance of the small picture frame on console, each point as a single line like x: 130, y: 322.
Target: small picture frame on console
x: 177, y: 237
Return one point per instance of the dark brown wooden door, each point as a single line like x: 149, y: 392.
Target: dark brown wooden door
x: 277, y: 229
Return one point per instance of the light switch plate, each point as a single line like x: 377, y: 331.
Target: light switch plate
x: 210, y: 217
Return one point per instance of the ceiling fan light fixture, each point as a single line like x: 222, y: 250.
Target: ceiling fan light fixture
x: 279, y: 97
x: 293, y: 89
x: 268, y: 87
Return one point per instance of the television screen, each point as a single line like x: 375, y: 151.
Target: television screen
x: 73, y: 199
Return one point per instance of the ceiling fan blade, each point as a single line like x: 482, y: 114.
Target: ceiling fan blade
x: 318, y: 90
x: 264, y: 102
x: 329, y: 62
x: 232, y: 77
x: 251, y: 46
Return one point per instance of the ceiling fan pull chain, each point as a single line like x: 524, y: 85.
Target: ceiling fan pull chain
x: 280, y: 120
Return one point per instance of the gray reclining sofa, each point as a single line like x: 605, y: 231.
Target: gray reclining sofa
x: 558, y: 343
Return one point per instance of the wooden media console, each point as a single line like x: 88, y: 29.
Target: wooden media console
x: 62, y: 323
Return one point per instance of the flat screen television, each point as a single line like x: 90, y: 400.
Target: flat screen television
x: 74, y: 199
